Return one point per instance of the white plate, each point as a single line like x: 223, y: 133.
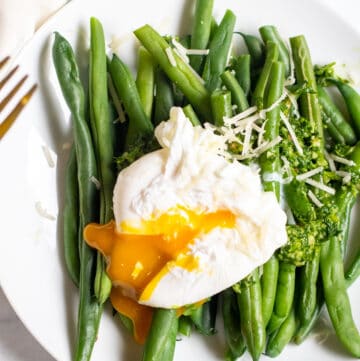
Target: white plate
x: 32, y: 272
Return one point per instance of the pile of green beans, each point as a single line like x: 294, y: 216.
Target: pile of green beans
x: 280, y: 301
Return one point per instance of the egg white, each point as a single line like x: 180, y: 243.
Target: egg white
x: 189, y: 171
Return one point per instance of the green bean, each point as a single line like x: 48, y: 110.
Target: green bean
x: 284, y: 296
x: 219, y: 48
x: 270, y: 33
x: 270, y: 164
x: 268, y: 287
x: 89, y: 309
x: 332, y: 273
x: 127, y: 322
x: 191, y: 115
x: 353, y: 272
x: 201, y: 30
x: 242, y: 68
x: 119, y: 117
x: 102, y: 134
x: 185, y: 40
x: 160, y: 343
x: 100, y: 118
x: 345, y: 202
x: 164, y: 98
x: 256, y: 49
x: 213, y: 28
x: 335, y: 116
x: 185, y: 325
x: 307, y: 295
x: 179, y: 72
x: 331, y: 129
x: 221, y: 106
x: 252, y: 324
x: 232, y: 325
x: 237, y: 94
x: 270, y: 160
x: 305, y: 328
x: 204, y: 317
x: 145, y: 80
x: 71, y: 220
x: 258, y: 95
x: 309, y: 103
x: 179, y: 98
x: 336, y: 297
x: 298, y: 201
x: 139, y: 124
x: 279, y: 339
x: 352, y: 101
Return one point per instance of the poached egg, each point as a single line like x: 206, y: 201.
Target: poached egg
x: 189, y: 223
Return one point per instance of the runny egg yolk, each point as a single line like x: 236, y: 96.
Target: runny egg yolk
x: 137, y: 255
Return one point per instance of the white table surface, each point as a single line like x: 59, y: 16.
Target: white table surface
x: 16, y: 343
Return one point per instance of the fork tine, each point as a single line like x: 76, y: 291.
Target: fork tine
x: 12, y: 92
x: 4, y: 61
x: 9, y: 120
x: 8, y: 76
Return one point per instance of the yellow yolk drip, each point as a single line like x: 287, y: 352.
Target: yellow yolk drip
x: 140, y: 315
x: 137, y: 256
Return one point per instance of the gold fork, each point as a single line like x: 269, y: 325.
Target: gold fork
x: 11, y: 117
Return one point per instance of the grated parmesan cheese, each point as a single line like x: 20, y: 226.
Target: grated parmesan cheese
x: 347, y: 179
x: 197, y: 51
x: 286, y: 170
x: 292, y: 133
x: 178, y: 45
x: 116, y: 101
x: 229, y: 52
x: 96, y: 182
x: 247, y: 139
x: 341, y: 173
x: 291, y: 78
x: 286, y: 164
x: 242, y: 124
x: 267, y: 145
x: 330, y: 161
x: 263, y: 112
x: 314, y: 199
x: 43, y: 212
x: 293, y: 102
x: 261, y: 134
x: 195, y: 73
x: 259, y: 150
x: 186, y: 51
x: 320, y: 186
x: 342, y: 160
x: 346, y: 176
x: 233, y: 120
x: 289, y: 214
x: 182, y: 55
x: 257, y: 128
x: 309, y: 174
x: 170, y: 55
x: 229, y: 135
x: 254, y: 119
x: 48, y: 156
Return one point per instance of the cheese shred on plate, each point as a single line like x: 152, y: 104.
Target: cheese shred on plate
x: 189, y: 223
